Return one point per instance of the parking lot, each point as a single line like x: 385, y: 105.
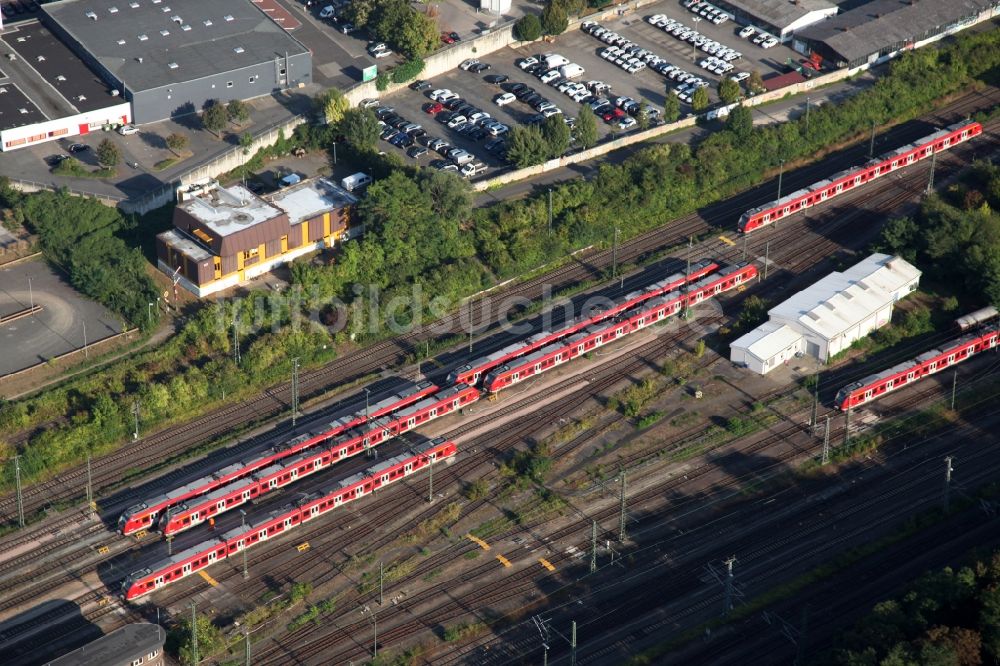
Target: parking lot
x: 584, y: 49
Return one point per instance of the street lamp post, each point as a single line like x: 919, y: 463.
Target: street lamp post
x: 693, y: 55
x: 31, y: 295
x: 149, y: 312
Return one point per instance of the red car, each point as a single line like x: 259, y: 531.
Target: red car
x: 612, y: 115
x: 447, y: 38
x: 433, y: 108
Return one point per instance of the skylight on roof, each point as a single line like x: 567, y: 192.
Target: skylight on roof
x: 112, y: 10
x: 134, y: 5
x: 164, y: 32
x: 172, y: 65
x: 238, y: 49
x: 185, y: 27
x: 208, y: 23
x: 228, y: 17
x: 143, y: 38
x: 121, y: 42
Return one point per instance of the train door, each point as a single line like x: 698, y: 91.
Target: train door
x: 158, y: 582
x: 186, y: 569
x: 288, y: 522
x: 857, y: 180
x: 246, y: 495
x: 822, y: 195
x: 538, y: 368
x: 317, y: 463
x: 840, y: 187
x: 932, y: 367
x: 273, y: 483
x: 262, y: 535
x: 408, y: 468
x: 909, y: 376
x: 787, y: 209
x: 241, y: 544
x: 338, y: 500
x: 211, y: 557
x: 951, y: 359
x: 893, y: 165
x: 514, y: 377
x: 868, y: 395
x: 433, y: 413
x: 195, y: 516
x: 220, y: 506
x: 314, y: 510
x: 888, y: 385
x: 295, y: 473
x: 412, y: 422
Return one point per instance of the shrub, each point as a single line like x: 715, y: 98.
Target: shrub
x: 408, y: 70
x: 528, y: 28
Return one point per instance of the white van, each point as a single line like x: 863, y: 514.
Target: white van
x: 553, y: 60
x: 355, y: 181
x: 572, y: 70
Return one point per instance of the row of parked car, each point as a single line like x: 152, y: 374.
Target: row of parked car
x: 707, y: 11
x: 758, y: 37
x: 686, y: 34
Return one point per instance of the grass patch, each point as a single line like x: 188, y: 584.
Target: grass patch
x: 458, y: 632
x: 166, y: 164
x: 73, y: 168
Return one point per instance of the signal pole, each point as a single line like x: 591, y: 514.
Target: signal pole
x: 236, y: 343
x: 767, y: 257
x: 543, y: 631
x: 621, y: 510
x: 745, y: 237
x: 381, y: 578
x: 243, y: 521
x: 170, y: 544
x: 572, y: 645
x: 593, y: 546
x: 295, y: 389
x: 368, y: 451
x: 847, y: 426
x: 430, y: 487
x: 815, y: 414
x: 807, y: 115
x: 614, y: 255
x: 135, y: 412
x: 948, y: 469
x: 246, y: 637
x: 954, y: 387
x: 17, y: 487
x: 550, y: 210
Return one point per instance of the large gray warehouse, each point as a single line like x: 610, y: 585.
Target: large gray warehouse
x: 169, y: 57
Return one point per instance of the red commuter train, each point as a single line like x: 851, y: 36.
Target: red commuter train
x: 904, y: 374
x: 644, y: 314
x: 144, y: 515
x: 846, y: 181
x: 186, y: 515
x: 470, y: 373
x: 283, y: 520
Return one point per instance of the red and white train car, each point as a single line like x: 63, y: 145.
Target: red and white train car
x: 278, y: 522
x: 284, y: 473
x: 630, y: 321
x: 471, y: 372
x: 904, y: 374
x: 847, y: 180
x: 145, y: 515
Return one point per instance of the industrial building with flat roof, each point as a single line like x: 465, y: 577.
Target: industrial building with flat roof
x: 880, y: 28
x: 131, y: 645
x: 170, y: 57
x: 223, y: 236
x: 780, y: 18
x: 829, y: 316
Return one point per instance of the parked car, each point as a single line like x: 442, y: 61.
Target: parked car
x: 78, y: 148
x: 504, y: 99
x: 496, y: 79
x: 447, y: 38
x: 525, y: 63
x: 416, y: 152
x: 740, y: 76
x: 401, y: 140
x: 125, y: 130
x: 460, y: 156
x: 473, y: 169
x: 420, y: 85
x: 369, y: 103
x: 550, y: 76
x: 627, y: 123
x: 457, y: 120
x: 496, y: 145
x: 433, y: 108
x: 443, y: 165
x: 468, y: 64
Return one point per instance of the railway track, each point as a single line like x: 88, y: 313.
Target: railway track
x: 169, y: 442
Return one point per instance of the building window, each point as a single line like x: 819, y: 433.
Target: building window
x: 250, y: 255
x: 218, y: 267
x: 229, y: 84
x: 253, y: 78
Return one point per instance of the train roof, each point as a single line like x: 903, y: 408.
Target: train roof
x: 229, y: 469
x: 819, y: 185
x: 424, y: 447
x: 936, y: 135
x: 269, y: 470
x: 294, y: 441
x: 977, y: 317
x: 385, y: 464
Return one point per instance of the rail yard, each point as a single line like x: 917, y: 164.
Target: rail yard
x: 596, y: 485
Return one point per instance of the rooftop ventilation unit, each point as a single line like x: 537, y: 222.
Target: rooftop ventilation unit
x: 208, y: 23
x: 134, y: 5
x: 228, y: 17
x: 156, y: 2
x: 139, y: 60
x: 40, y: 58
x: 112, y: 10
x: 177, y: 19
x: 165, y: 10
x: 3, y: 91
x: 91, y: 15
x: 81, y: 98
x: 60, y: 78
x: 172, y: 65
x: 142, y: 38
x: 121, y: 42
x: 23, y: 110
x: 238, y: 49
x: 185, y: 27
x: 165, y: 32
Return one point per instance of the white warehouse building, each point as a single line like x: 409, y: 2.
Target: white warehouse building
x: 829, y: 316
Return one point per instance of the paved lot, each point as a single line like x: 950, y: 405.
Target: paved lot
x: 58, y: 328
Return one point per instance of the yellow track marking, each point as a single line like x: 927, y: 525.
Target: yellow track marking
x: 503, y: 560
x: 545, y: 563
x: 211, y: 581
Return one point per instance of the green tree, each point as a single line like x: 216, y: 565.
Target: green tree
x: 740, y: 122
x: 409, y: 31
x: 699, y: 101
x: 108, y: 153
x: 361, y: 129
x: 755, y: 83
x: 359, y: 12
x: 671, y: 108
x: 556, y: 134
x: 586, y: 127
x: 177, y: 142
x: 331, y: 105
x: 729, y: 90
x: 528, y: 28
x: 526, y: 146
x: 246, y: 142
x: 642, y: 115
x: 210, y: 640
x: 214, y: 117
x: 238, y: 112
x: 554, y: 18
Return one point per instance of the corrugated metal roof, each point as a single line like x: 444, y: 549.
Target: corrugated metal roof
x: 781, y: 13
x: 768, y: 340
x: 858, y: 33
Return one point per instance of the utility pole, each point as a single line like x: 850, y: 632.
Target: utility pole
x: 368, y: 450
x: 954, y: 387
x: 728, y: 601
x: 17, y: 487
x: 826, y: 442
x: 430, y: 487
x: 236, y: 343
x: 593, y: 546
x: 948, y: 469
x: 31, y: 296
x: 374, y: 617
x: 194, y: 635
x: 543, y: 631
x: 135, y: 412
x: 90, y: 487
x: 621, y: 510
x: 807, y: 115
x: 767, y: 257
x: 614, y: 255
x: 815, y: 413
x: 930, y: 180
x: 295, y: 389
x: 246, y: 637
x: 781, y: 172
x: 470, y: 327
x: 550, y: 210
x: 871, y: 145
x: 745, y: 237
x: 170, y: 544
x: 572, y: 645
x: 381, y: 578
x: 847, y: 426
x: 243, y: 527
